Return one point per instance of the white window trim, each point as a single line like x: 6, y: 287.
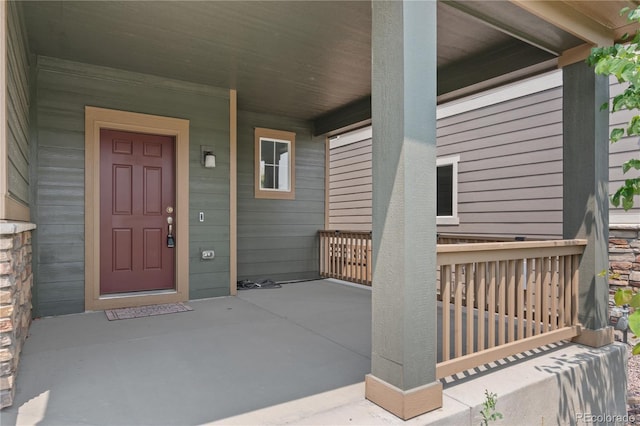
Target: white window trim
x: 288, y: 143
x: 453, y: 219
x: 277, y: 136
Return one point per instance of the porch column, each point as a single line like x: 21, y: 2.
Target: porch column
x: 585, y: 200
x: 404, y: 344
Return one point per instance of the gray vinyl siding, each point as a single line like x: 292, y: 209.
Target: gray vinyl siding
x: 63, y: 90
x: 620, y: 152
x: 350, y: 186
x: 510, y: 169
x: 277, y: 239
x: 17, y: 65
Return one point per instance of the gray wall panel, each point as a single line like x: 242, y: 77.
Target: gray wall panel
x: 508, y: 151
x: 63, y: 90
x: 621, y: 151
x: 350, y: 200
x: 277, y: 239
x: 17, y: 107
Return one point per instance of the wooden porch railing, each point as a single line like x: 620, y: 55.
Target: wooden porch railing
x: 497, y: 298
x: 346, y: 255
x: 500, y: 299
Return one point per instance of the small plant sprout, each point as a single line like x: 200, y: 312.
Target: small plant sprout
x: 488, y: 412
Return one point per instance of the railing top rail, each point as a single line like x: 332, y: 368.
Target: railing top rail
x: 342, y: 231
x: 487, y: 238
x: 511, y: 245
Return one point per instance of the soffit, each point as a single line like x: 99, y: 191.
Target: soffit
x: 299, y: 59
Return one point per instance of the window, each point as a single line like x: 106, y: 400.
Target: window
x: 447, y: 191
x: 274, y: 164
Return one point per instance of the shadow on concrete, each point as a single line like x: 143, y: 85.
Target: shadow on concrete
x: 591, y: 386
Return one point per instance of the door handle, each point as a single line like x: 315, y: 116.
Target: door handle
x: 171, y: 242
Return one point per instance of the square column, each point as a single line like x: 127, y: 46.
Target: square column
x: 585, y: 185
x: 404, y: 341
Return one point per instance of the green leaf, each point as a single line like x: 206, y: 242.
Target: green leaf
x: 635, y: 301
x: 627, y: 203
x: 634, y: 126
x: 616, y: 134
x: 634, y: 323
x: 622, y: 297
x: 615, y: 199
x: 604, y: 106
x: 633, y: 163
x: 634, y: 15
x: 636, y: 349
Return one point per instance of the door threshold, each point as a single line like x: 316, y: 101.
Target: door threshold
x: 136, y: 294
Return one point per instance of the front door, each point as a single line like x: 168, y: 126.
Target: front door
x: 137, y: 202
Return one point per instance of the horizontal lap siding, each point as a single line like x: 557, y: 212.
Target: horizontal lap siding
x: 277, y: 239
x: 64, y: 88
x: 510, y: 169
x: 621, y: 151
x: 17, y: 91
x: 350, y: 186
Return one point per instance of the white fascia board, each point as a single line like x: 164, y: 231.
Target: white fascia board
x: 526, y: 87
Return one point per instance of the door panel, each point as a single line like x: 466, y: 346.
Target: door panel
x: 137, y: 186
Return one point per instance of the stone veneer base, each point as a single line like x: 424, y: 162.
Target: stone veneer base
x: 16, y: 281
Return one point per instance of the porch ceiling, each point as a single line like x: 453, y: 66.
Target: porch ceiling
x: 300, y: 59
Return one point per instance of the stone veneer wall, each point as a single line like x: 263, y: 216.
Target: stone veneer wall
x: 624, y: 256
x: 16, y: 280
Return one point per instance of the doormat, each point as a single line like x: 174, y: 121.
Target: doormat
x: 146, y: 311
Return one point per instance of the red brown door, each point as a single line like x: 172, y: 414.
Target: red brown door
x: 137, y: 200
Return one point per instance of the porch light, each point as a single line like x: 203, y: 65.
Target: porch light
x: 207, y: 157
x: 209, y: 160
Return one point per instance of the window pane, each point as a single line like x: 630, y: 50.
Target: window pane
x: 445, y: 190
x: 267, y: 179
x: 274, y: 165
x: 283, y: 172
x: 281, y: 148
x: 267, y: 151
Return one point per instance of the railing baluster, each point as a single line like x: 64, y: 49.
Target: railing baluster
x: 470, y: 298
x: 574, y: 289
x: 445, y: 277
x: 491, y: 309
x: 568, y: 290
x: 334, y: 256
x: 561, y: 291
x: 502, y: 283
x: 369, y: 260
x: 343, y: 255
x: 545, y: 295
x: 321, y: 266
x: 511, y: 302
x: 538, y: 307
x: 457, y: 303
x: 327, y: 240
x: 520, y: 297
x: 360, y: 259
x: 481, y: 279
x: 553, y: 315
x: 530, y: 294
x: 347, y: 256
x: 355, y: 242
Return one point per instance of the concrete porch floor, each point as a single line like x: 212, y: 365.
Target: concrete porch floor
x: 294, y: 355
